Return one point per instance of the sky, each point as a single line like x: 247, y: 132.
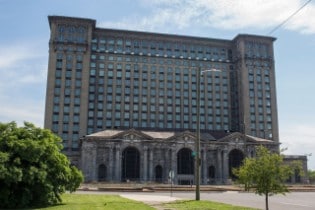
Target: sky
x: 24, y: 37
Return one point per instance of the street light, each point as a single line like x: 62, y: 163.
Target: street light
x: 197, y: 143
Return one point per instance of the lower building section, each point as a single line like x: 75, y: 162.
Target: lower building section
x: 144, y: 156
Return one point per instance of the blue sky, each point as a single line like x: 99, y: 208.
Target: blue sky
x: 25, y: 34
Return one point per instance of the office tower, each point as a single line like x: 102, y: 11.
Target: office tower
x: 107, y: 79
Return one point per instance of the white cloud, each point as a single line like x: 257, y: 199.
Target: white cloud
x: 20, y: 65
x: 299, y: 140
x: 223, y: 14
x: 23, y: 70
x: 20, y: 109
x: 10, y: 55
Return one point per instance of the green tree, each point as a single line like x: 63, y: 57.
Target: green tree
x: 33, y: 171
x: 311, y: 176
x: 266, y: 174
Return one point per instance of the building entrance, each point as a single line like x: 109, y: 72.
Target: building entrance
x: 130, y: 164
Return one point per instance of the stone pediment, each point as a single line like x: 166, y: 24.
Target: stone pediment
x: 132, y: 134
x: 239, y: 138
x: 185, y: 136
x: 235, y: 137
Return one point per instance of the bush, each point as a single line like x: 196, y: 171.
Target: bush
x: 33, y: 171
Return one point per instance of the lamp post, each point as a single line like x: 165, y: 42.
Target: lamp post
x: 197, y: 146
x: 197, y: 143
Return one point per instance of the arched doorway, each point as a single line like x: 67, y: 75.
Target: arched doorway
x: 211, y: 174
x: 102, y: 170
x: 158, y: 173
x: 130, y: 164
x: 185, y: 166
x: 236, y: 158
x: 185, y: 161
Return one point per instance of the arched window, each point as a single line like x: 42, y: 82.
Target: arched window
x: 102, y: 170
x: 158, y: 173
x: 236, y: 158
x: 130, y: 164
x: 211, y: 172
x: 185, y: 161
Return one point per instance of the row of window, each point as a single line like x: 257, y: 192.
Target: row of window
x: 261, y: 126
x: 185, y: 100
x: 60, y: 48
x: 157, y: 45
x: 218, y: 70
x: 152, y: 111
x: 154, y: 125
x: 192, y: 65
x: 70, y: 33
x: 255, y: 49
x: 156, y: 117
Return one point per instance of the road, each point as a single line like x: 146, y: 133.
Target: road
x: 290, y: 201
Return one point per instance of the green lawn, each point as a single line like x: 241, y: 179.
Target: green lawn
x: 97, y: 202
x: 202, y: 205
x: 115, y: 202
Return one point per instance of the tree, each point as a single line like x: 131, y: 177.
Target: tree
x: 311, y: 176
x: 265, y: 173
x: 33, y: 171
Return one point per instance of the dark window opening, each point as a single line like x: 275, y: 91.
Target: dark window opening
x: 130, y: 164
x: 185, y: 161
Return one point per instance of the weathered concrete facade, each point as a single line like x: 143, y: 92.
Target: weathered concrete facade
x: 118, y: 156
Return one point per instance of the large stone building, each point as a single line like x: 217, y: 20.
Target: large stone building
x: 131, y: 99
x: 116, y: 155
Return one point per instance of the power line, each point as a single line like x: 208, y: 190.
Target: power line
x: 286, y: 20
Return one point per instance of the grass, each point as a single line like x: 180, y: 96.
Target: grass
x: 202, y: 205
x: 115, y: 202
x: 96, y: 202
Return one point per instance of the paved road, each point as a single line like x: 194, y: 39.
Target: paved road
x: 291, y: 201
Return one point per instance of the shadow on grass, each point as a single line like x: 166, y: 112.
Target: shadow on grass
x: 41, y: 207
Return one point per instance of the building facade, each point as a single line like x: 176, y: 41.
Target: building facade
x: 152, y: 156
x: 118, y: 80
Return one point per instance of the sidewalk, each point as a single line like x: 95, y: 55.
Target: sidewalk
x: 152, y: 199
x: 155, y: 201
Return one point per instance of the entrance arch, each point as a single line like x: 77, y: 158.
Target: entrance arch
x: 236, y: 158
x: 185, y: 161
x: 102, y: 170
x: 158, y: 173
x: 130, y: 164
x: 211, y: 172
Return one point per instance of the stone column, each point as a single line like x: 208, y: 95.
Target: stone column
x: 174, y: 164
x: 166, y: 164
x: 225, y: 166
x: 151, y: 165
x: 219, y: 167
x: 204, y: 167
x: 111, y: 162
x: 145, y: 163
x: 118, y: 164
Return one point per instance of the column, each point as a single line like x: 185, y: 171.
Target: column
x: 174, y: 164
x: 110, y: 164
x: 151, y: 165
x: 219, y: 167
x: 145, y: 163
x: 204, y: 167
x: 225, y: 166
x: 117, y: 164
x: 167, y: 164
